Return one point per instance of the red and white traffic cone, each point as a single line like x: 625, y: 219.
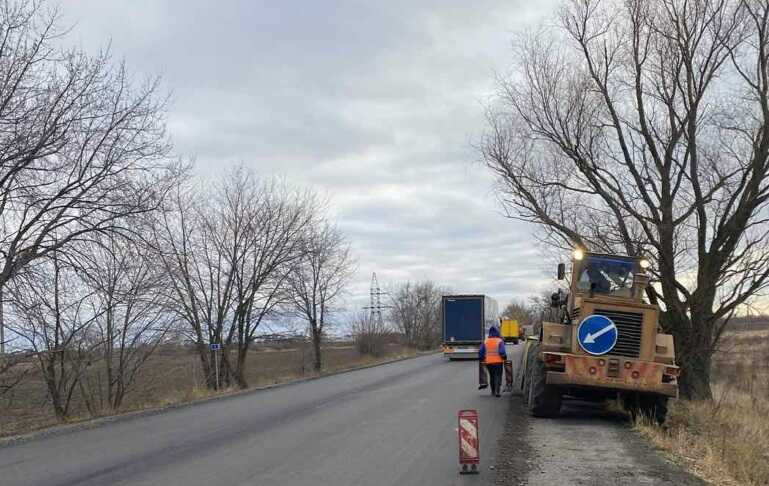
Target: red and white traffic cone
x: 469, y: 450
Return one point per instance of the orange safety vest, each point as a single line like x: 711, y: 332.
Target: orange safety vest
x: 492, y: 351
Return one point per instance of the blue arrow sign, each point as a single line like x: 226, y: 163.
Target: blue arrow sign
x: 597, y: 334
x: 215, y: 346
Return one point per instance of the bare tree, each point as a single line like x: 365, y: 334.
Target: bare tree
x: 127, y: 288
x: 80, y: 147
x: 369, y: 332
x: 643, y: 127
x: 228, y: 248
x: 317, y: 280
x: 198, y: 288
x: 524, y: 313
x: 416, y: 313
x: 12, y: 371
x: 54, y: 314
x: 272, y: 220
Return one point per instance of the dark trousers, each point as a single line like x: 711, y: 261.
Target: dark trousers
x: 495, y: 376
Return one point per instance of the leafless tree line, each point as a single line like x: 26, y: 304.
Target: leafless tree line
x: 242, y: 251
x: 416, y: 313
x: 92, y: 317
x: 526, y: 313
x: 370, y: 333
x: 530, y: 310
x: 642, y: 127
x: 83, y: 159
x: 412, y: 317
x: 110, y: 248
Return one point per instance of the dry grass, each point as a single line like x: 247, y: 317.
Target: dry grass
x: 724, y: 440
x: 172, y: 376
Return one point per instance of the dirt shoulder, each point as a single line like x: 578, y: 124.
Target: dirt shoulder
x: 515, y: 457
x: 585, y: 446
x: 724, y: 440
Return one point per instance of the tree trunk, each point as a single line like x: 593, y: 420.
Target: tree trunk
x: 240, y: 372
x: 693, y: 354
x: 110, y: 372
x: 226, y: 371
x: 53, y: 390
x: 2, y: 325
x: 207, y: 365
x: 694, y: 382
x: 316, y: 346
x: 119, y: 394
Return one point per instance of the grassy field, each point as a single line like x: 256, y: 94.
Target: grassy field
x: 725, y: 440
x: 173, y: 375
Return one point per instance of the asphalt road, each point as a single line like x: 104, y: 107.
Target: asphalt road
x: 392, y: 424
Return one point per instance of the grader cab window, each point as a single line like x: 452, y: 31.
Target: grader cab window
x: 604, y: 275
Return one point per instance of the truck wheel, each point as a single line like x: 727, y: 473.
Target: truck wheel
x: 544, y: 400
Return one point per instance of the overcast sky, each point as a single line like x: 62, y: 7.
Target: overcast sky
x: 373, y: 103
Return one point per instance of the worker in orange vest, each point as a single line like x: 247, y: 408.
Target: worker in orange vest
x: 493, y: 355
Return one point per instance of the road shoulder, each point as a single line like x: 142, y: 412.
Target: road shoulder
x: 585, y: 446
x: 514, y: 455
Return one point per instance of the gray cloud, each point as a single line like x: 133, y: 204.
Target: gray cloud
x: 373, y: 103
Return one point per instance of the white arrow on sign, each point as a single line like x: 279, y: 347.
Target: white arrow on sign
x: 590, y: 338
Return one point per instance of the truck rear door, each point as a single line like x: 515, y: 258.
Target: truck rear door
x: 463, y: 319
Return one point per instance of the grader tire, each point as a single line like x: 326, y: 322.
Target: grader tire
x: 526, y: 362
x: 543, y: 400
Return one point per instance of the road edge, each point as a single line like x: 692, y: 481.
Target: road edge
x: 57, y: 430
x: 514, y: 455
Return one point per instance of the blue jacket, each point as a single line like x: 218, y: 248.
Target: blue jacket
x: 493, y: 332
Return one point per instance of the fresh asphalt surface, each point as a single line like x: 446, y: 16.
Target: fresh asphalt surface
x: 391, y: 424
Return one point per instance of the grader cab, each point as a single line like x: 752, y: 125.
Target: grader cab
x: 602, y: 341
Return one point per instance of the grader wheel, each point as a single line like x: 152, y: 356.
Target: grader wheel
x: 542, y: 399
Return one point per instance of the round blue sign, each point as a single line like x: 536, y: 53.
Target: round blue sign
x: 597, y: 334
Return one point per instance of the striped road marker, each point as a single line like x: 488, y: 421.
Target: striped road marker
x: 469, y: 452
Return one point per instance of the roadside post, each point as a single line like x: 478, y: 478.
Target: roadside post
x: 469, y: 450
x: 215, y: 347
